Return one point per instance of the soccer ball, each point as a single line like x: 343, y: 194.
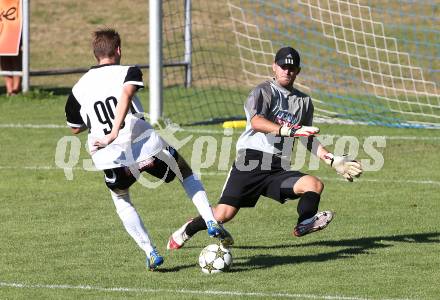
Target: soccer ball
x: 215, y: 259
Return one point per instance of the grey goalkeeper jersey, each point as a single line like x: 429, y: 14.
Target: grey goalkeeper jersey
x: 279, y: 105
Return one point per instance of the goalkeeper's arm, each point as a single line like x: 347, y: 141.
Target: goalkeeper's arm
x: 261, y: 124
x: 344, y: 165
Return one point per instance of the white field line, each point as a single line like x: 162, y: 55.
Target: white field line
x: 336, y: 178
x: 171, y: 291
x: 43, y: 126
x: 217, y: 131
x: 389, y: 137
x: 221, y: 173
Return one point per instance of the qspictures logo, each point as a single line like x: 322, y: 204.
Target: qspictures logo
x: 216, y: 153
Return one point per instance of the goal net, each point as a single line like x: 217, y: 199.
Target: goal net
x: 363, y: 61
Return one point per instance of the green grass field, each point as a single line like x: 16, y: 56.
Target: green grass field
x: 61, y: 239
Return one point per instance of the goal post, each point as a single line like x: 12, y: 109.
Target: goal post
x: 26, y: 46
x: 363, y: 61
x: 156, y: 60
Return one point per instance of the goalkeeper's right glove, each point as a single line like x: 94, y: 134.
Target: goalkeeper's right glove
x: 344, y: 165
x: 298, y: 130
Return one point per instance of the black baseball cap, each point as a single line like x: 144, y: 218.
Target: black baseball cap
x: 287, y: 56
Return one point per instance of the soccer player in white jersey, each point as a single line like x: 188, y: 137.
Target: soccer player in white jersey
x: 123, y: 144
x: 276, y: 113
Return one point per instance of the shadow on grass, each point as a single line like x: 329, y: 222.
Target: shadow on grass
x: 174, y: 269
x: 350, y: 248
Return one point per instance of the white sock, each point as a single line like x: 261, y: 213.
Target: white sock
x: 195, y: 191
x: 131, y: 220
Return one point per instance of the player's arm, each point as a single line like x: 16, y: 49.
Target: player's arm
x: 261, y: 124
x: 343, y: 165
x: 73, y: 116
x: 122, y: 107
x: 258, y: 106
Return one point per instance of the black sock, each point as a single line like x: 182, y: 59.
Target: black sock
x: 308, y: 205
x: 198, y: 224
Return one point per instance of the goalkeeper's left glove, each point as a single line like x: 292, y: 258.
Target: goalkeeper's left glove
x: 344, y: 165
x: 298, y: 131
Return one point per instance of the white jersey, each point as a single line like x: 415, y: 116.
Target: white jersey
x: 279, y: 105
x: 92, y: 103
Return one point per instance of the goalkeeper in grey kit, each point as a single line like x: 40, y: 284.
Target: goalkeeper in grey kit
x: 276, y: 113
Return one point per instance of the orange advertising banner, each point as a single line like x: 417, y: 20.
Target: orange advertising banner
x: 10, y: 26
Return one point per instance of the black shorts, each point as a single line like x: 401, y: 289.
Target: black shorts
x: 11, y: 63
x: 244, y: 188
x: 121, y: 178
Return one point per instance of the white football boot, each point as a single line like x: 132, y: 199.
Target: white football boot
x: 315, y: 223
x: 178, y: 238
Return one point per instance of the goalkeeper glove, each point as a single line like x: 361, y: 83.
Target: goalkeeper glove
x: 344, y: 166
x: 298, y: 130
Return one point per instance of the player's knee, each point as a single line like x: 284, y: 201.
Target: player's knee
x: 318, y: 186
x: 176, y: 165
x: 308, y: 184
x: 223, y: 213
